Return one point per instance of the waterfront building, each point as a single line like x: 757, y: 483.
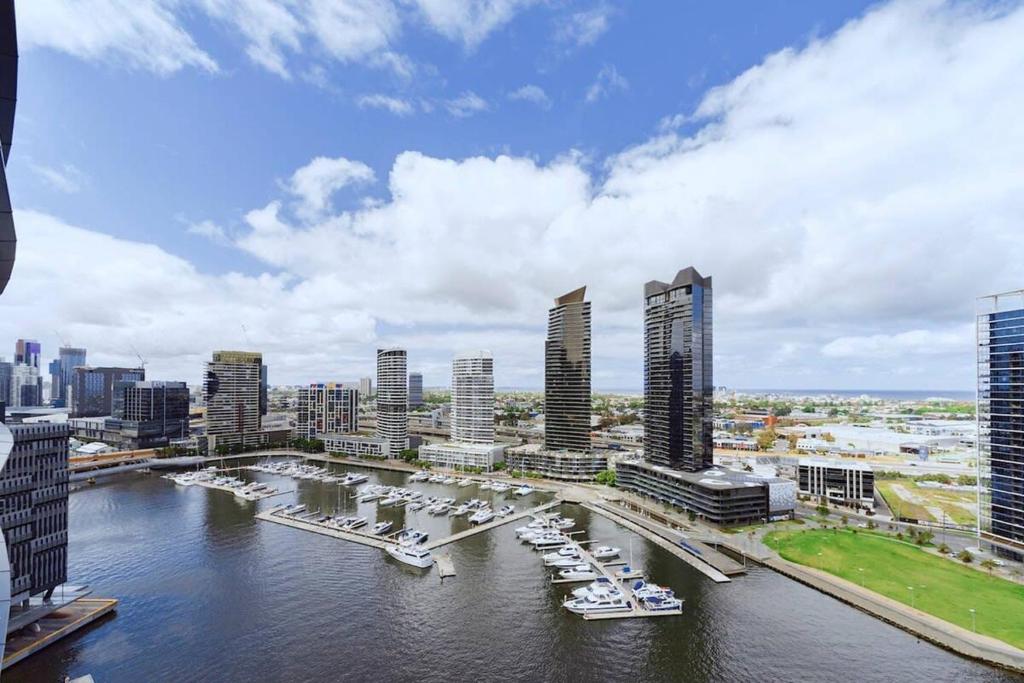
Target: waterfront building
x: 1000, y: 418
x: 567, y: 374
x: 393, y: 398
x: 92, y: 389
x: 472, y: 417
x: 563, y: 465
x: 324, y: 408
x: 678, y: 424
x: 357, y: 446
x: 149, y: 414
x: 837, y: 481
x: 62, y: 373
x: 415, y: 390
x: 232, y: 386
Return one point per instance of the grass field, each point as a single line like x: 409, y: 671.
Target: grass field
x: 941, y: 587
x: 911, y: 501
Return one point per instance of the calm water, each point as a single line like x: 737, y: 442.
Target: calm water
x: 210, y: 594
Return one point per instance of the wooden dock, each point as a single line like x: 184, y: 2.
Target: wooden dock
x: 445, y: 566
x: 379, y: 542
x: 60, y: 624
x: 501, y: 521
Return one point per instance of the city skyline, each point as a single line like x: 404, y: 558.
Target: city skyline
x: 808, y: 260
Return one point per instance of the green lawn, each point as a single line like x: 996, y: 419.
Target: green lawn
x: 914, y: 502
x: 942, y: 587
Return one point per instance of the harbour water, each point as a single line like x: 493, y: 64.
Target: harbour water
x: 208, y: 593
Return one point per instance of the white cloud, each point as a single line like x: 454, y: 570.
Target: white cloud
x: 314, y: 183
x: 466, y: 104
x: 395, y: 105
x: 531, y: 93
x: 210, y: 230
x: 469, y: 21
x: 269, y: 28
x: 141, y: 34
x: 850, y: 199
x: 67, y: 178
x: 584, y: 28
x: 608, y: 80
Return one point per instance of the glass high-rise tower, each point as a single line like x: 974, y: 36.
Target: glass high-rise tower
x: 678, y: 387
x: 1000, y: 416
x: 567, y: 374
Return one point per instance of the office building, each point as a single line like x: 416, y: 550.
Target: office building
x: 264, y: 391
x: 34, y: 504
x: 838, y: 482
x: 678, y: 386
x: 415, y: 390
x: 327, y: 408
x: 62, y: 373
x: 678, y: 425
x: 1000, y: 418
x: 232, y: 385
x: 567, y: 374
x: 393, y: 398
x: 366, y: 388
x: 27, y: 352
x: 472, y: 417
x: 92, y: 389
x: 149, y: 414
x: 6, y: 371
x: 26, y: 386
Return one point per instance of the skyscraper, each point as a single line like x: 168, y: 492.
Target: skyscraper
x: 327, y: 408
x: 473, y: 398
x: 92, y: 389
x: 678, y: 386
x: 26, y: 386
x: 1000, y: 417
x: 27, y: 352
x: 567, y: 374
x: 393, y: 398
x: 231, y: 389
x: 365, y: 388
x: 415, y: 390
x: 62, y: 372
x: 6, y: 370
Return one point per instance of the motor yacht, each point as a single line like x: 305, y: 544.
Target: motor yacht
x: 449, y: 481
x: 412, y: 536
x: 422, y: 475
x: 506, y: 510
x: 415, y: 506
x: 601, y: 586
x: 605, y: 552
x: 501, y: 487
x: 562, y: 553
x: 486, y: 486
x: 297, y: 509
x: 663, y: 604
x: 565, y: 562
x: 579, y: 572
x: 353, y: 523
x: 436, y: 478
x: 597, y: 605
x: 562, y: 523
x: 482, y: 516
x: 381, y: 528
x: 414, y: 554
x: 643, y: 590
x: 353, y: 478
x: 465, y: 482
x: 392, y: 499
x: 524, y: 490
x: 549, y: 542
x: 459, y: 511
x: 437, y: 509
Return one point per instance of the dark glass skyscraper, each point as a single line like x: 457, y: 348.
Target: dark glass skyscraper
x: 1001, y: 417
x: 567, y: 374
x: 92, y: 389
x: 678, y: 386
x: 62, y: 372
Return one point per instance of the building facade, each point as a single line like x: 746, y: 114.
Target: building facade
x: 678, y: 385
x: 325, y: 408
x: 460, y: 456
x: 565, y: 465
x: 62, y: 374
x: 366, y: 388
x: 27, y: 352
x: 841, y: 482
x: 92, y: 389
x: 356, y: 446
x: 6, y: 370
x: 567, y: 374
x: 415, y: 390
x: 1000, y: 418
x: 149, y: 414
x: 393, y: 398
x: 472, y: 416
x: 34, y: 507
x: 26, y: 386
x: 232, y: 386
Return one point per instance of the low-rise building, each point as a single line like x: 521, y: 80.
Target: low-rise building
x: 454, y: 455
x: 93, y: 448
x: 716, y: 495
x: 357, y: 446
x: 566, y: 465
x: 845, y: 482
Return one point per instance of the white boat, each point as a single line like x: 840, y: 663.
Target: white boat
x: 482, y: 516
x: 596, y: 605
x: 422, y: 475
x: 643, y: 590
x: 459, y: 511
x: 601, y: 587
x: 486, y: 486
x: 549, y: 542
x: 437, y: 509
x: 465, y: 482
x: 500, y: 487
x: 562, y: 553
x: 562, y: 523
x: 524, y: 490
x: 412, y: 536
x: 415, y: 554
x: 353, y: 478
x: 413, y: 507
x: 506, y: 510
x: 580, y: 572
x: 449, y: 481
x: 390, y: 500
x: 381, y: 528
x: 352, y: 523
x: 565, y: 562
x: 605, y: 552
x: 436, y: 478
x: 296, y: 509
x: 657, y: 603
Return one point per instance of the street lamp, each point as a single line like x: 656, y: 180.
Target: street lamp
x: 860, y: 570
x: 974, y: 620
x: 912, y: 601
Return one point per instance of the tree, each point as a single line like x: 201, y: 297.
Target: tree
x: 943, y: 548
x: 924, y: 537
x: 827, y: 437
x: 845, y: 520
x: 606, y: 477
x: 833, y: 412
x: 822, y: 509
x: 766, y: 439
x: 989, y: 564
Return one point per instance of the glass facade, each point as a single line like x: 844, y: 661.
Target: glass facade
x: 1001, y: 416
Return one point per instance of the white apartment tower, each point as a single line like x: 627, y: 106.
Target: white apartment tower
x: 393, y: 398
x: 473, y: 398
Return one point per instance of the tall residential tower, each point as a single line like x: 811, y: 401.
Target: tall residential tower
x: 327, y: 408
x: 473, y: 398
x: 231, y: 389
x: 415, y: 390
x: 393, y: 398
x: 567, y: 374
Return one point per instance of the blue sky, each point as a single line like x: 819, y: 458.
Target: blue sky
x: 531, y: 144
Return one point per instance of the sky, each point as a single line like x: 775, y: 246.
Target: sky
x: 315, y: 180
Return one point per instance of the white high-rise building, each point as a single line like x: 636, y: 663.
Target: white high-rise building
x: 393, y: 398
x: 473, y: 398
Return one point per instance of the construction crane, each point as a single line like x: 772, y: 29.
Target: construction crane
x: 64, y: 342
x: 142, y: 361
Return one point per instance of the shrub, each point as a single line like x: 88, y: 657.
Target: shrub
x: 965, y: 557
